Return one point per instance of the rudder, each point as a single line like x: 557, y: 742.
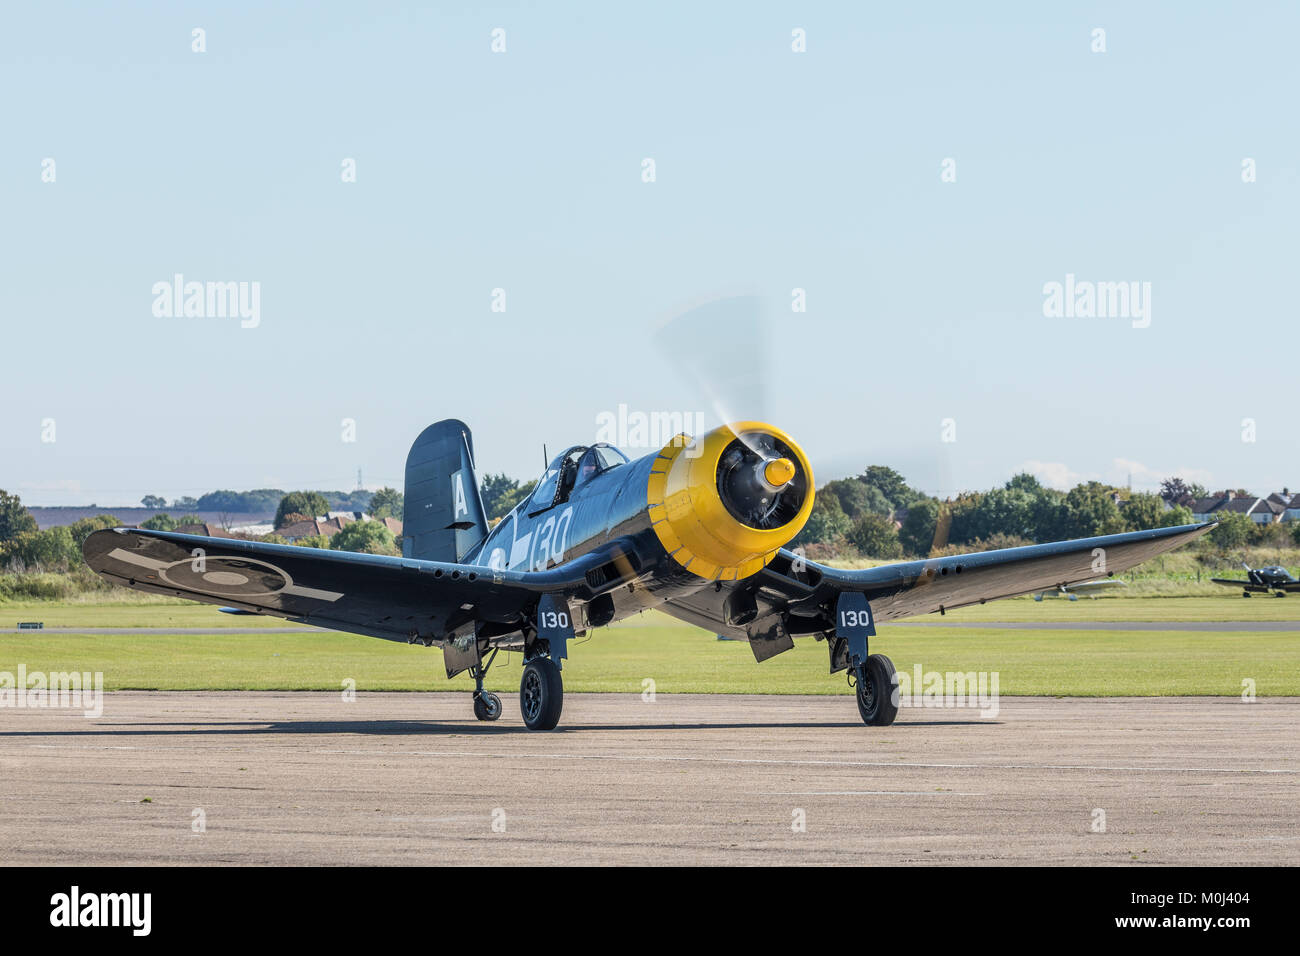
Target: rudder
x: 443, y: 517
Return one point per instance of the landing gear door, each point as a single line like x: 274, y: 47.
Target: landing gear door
x: 460, y: 653
x: 555, y: 626
x: 855, y: 623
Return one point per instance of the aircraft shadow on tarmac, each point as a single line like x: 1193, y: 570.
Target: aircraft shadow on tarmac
x: 385, y: 728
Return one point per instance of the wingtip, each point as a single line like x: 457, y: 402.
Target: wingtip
x: 1186, y: 528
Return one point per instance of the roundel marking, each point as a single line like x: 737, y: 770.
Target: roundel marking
x: 232, y: 576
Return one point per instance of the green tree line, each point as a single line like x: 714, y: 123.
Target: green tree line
x: 877, y: 514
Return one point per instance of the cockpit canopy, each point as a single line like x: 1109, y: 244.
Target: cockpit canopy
x: 571, y: 469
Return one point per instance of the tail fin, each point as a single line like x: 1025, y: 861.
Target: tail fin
x: 444, y: 518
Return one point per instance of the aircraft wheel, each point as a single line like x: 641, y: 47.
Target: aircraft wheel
x: 541, y: 694
x: 1245, y: 594
x: 487, y: 706
x: 876, y: 685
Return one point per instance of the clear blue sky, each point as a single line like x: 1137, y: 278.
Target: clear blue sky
x: 522, y: 171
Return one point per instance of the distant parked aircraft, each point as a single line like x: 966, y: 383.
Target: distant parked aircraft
x: 1262, y: 581
x: 1072, y: 591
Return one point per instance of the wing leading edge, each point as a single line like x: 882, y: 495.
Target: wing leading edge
x: 939, y: 584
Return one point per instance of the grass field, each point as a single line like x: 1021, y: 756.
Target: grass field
x: 1228, y: 605
x: 682, y: 659
x: 151, y: 614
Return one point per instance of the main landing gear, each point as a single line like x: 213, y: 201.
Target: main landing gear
x: 876, y: 681
x: 873, y: 676
x: 541, y: 689
x: 541, y: 694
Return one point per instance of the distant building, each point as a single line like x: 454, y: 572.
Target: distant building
x: 205, y: 529
x: 311, y: 527
x: 331, y: 525
x: 1292, y: 512
x: 253, y: 530
x: 1203, y: 509
x: 1259, y: 510
x: 1276, y: 510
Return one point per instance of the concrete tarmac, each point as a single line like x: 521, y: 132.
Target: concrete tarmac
x: 412, y: 778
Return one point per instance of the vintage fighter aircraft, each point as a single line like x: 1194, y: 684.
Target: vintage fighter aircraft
x: 1262, y: 581
x: 697, y: 529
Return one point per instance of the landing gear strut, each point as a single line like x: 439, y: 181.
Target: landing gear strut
x: 487, y: 706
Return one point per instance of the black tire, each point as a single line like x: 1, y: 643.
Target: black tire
x: 877, y: 702
x: 487, y: 706
x: 541, y: 694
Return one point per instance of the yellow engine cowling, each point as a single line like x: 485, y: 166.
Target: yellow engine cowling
x: 724, y: 503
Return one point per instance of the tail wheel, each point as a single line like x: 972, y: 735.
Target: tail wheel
x: 541, y: 694
x: 877, y: 702
x: 487, y: 706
